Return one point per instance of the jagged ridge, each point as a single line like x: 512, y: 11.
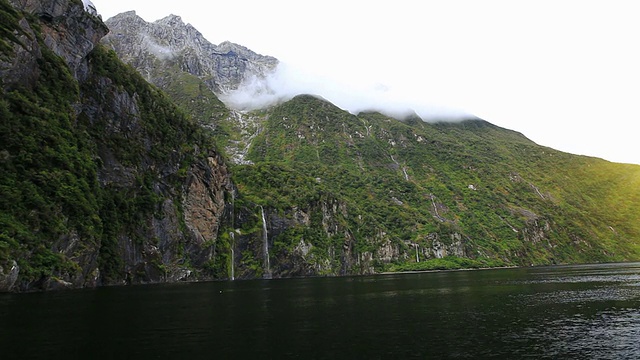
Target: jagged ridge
x: 170, y: 43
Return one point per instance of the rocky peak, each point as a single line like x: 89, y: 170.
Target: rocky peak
x: 171, y: 20
x: 175, y: 43
x: 227, y: 47
x: 129, y: 17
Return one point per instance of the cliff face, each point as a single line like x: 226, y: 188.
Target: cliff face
x: 67, y: 29
x: 104, y: 180
x: 169, y: 43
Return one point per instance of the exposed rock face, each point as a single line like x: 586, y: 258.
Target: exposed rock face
x: 204, y: 199
x: 174, y: 243
x: 334, y: 255
x: 536, y: 231
x: 8, y: 276
x: 61, y: 20
x: 170, y: 43
x: 439, y: 249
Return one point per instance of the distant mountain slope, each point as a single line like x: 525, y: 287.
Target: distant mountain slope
x: 370, y: 192
x: 176, y: 57
x: 169, y: 43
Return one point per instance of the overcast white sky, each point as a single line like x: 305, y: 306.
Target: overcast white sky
x: 564, y: 73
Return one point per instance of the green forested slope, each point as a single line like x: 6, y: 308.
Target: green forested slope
x: 502, y: 198
x: 86, y: 166
x: 48, y: 183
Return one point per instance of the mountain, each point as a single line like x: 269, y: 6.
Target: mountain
x: 108, y: 179
x: 343, y: 193
x: 367, y: 193
x: 176, y: 57
x: 152, y: 48
x: 104, y: 180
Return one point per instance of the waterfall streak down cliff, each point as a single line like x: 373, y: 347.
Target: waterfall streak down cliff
x: 265, y: 238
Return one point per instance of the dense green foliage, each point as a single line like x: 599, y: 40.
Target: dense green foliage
x: 489, y: 188
x: 51, y: 156
x: 161, y: 135
x: 48, y: 185
x: 8, y: 27
x: 447, y: 263
x: 193, y: 96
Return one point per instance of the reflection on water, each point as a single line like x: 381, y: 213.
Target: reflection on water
x: 612, y: 334
x: 580, y: 297
x: 572, y: 312
x: 592, y: 312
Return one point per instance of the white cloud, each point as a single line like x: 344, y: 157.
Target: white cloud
x: 160, y: 51
x: 564, y: 73
x: 352, y: 95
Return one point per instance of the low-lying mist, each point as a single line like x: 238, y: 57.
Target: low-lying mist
x: 353, y: 95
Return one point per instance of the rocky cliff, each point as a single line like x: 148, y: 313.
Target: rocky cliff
x: 104, y: 180
x: 66, y: 28
x: 170, y: 43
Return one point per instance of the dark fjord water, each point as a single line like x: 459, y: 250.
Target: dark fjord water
x: 564, y: 312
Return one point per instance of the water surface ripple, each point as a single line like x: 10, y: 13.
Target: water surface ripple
x: 560, y: 312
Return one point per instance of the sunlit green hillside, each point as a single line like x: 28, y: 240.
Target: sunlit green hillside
x: 474, y: 189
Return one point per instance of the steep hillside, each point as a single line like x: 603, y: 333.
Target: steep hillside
x: 176, y: 57
x: 370, y: 193
x: 104, y: 180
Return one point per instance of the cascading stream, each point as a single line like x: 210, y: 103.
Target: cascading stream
x: 233, y: 254
x: 265, y: 238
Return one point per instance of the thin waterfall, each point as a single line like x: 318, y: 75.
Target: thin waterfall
x: 265, y: 238
x: 233, y: 254
x: 404, y: 171
x: 435, y: 208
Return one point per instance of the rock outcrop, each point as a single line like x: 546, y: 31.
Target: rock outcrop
x: 8, y: 276
x: 68, y: 29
